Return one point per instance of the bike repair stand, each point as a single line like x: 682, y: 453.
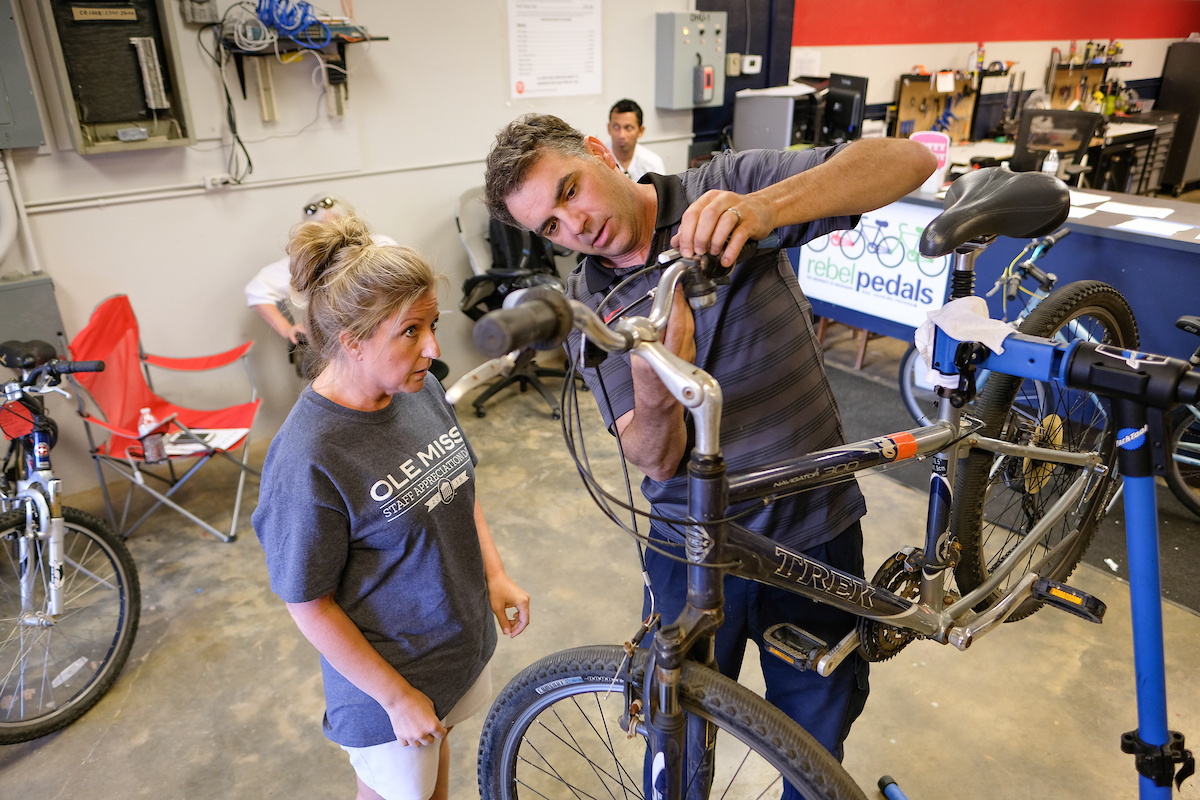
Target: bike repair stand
x: 1141, y: 455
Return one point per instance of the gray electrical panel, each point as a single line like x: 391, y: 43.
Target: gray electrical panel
x: 19, y: 123
x: 119, y: 70
x: 690, y: 59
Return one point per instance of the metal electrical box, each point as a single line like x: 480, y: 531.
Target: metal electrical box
x: 120, y: 74
x: 19, y: 123
x: 690, y: 59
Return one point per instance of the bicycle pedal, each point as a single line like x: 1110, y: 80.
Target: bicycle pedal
x: 1059, y: 595
x: 794, y: 646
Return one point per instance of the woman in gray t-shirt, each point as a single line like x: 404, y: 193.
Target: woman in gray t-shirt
x: 368, y: 517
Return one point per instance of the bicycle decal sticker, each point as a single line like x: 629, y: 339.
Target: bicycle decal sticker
x: 816, y: 575
x: 897, y: 447
x: 1131, y: 438
x: 552, y: 685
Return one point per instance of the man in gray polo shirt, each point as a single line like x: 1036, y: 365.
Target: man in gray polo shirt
x: 757, y: 340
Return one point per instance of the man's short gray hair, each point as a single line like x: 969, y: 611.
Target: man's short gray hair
x: 518, y: 147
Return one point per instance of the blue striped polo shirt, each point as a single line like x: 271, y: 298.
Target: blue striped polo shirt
x: 757, y: 340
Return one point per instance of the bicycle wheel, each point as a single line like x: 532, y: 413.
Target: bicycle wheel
x: 915, y: 390
x: 554, y: 732
x: 890, y: 252
x: 998, y: 499
x: 51, y: 673
x: 1183, y: 470
x: 853, y: 243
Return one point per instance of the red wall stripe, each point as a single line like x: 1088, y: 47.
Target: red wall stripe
x: 866, y: 22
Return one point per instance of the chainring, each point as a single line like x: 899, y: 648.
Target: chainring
x: 878, y: 640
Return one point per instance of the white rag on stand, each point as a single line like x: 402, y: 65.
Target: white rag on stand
x: 966, y: 320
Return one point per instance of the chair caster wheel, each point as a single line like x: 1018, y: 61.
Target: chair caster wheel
x: 481, y: 412
x: 556, y: 415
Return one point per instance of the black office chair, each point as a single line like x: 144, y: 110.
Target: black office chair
x: 504, y: 260
x: 1045, y: 129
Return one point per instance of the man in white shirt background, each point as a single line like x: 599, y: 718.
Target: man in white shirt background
x: 625, y: 128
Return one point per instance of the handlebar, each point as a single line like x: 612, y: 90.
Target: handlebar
x: 68, y: 367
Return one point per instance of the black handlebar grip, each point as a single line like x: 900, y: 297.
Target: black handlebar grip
x: 1054, y: 239
x: 1189, y: 388
x: 79, y: 366
x: 541, y: 321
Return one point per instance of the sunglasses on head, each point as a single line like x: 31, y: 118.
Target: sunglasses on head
x: 321, y: 205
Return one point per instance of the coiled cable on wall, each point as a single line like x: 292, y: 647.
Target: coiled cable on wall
x: 295, y: 21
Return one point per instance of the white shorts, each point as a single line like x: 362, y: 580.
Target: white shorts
x: 410, y: 773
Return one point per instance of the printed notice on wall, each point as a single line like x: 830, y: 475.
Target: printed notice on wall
x: 553, y: 48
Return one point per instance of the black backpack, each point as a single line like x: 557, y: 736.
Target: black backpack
x: 520, y: 259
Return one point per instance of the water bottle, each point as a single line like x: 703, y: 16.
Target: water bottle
x: 153, y: 449
x: 1050, y: 165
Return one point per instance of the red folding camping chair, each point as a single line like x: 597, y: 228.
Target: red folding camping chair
x: 124, y: 388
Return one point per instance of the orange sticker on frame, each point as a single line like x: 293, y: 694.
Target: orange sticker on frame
x: 906, y: 445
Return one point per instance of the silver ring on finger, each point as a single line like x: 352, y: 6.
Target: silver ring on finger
x: 739, y: 215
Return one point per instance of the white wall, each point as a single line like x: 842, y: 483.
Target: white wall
x: 424, y: 107
x: 883, y: 64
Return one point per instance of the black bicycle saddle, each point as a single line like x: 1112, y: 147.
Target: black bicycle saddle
x: 996, y: 202
x: 25, y: 355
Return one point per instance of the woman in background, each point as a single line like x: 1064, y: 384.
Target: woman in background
x: 367, y: 513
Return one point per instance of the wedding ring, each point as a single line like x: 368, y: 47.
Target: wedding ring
x: 739, y: 215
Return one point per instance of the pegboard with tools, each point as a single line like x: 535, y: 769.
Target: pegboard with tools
x: 921, y: 107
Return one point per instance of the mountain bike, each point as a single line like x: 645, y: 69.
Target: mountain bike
x: 69, y: 593
x: 1016, y: 492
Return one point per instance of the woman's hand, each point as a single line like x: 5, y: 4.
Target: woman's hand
x: 505, y: 595
x: 414, y: 722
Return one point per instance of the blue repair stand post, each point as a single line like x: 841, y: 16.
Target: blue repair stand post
x: 887, y: 786
x: 1156, y: 749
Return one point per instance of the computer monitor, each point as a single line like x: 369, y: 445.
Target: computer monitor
x: 845, y: 101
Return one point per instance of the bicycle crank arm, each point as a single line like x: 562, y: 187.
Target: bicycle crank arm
x: 827, y: 663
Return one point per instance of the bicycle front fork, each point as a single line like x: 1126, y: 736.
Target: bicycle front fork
x: 40, y: 495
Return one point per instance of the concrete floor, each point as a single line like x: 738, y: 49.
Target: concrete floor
x: 222, y: 696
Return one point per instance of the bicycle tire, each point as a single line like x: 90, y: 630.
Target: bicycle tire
x: 1183, y: 478
x: 50, y: 676
x: 535, y: 741
x: 890, y: 249
x: 920, y: 402
x: 853, y: 243
x: 999, y: 498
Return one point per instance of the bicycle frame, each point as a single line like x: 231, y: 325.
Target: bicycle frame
x: 714, y: 545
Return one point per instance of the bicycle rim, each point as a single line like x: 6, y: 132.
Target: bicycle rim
x: 51, y: 674
x: 1000, y: 498
x: 1183, y: 471
x: 555, y: 732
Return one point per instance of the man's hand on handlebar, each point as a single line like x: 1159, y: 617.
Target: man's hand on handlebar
x: 720, y: 223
